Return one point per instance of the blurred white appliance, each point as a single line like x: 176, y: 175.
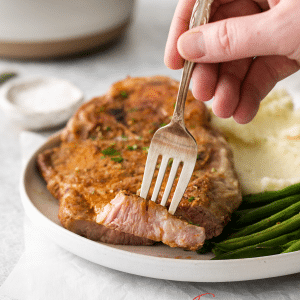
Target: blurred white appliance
x: 51, y: 28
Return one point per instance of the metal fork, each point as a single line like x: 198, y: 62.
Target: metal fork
x: 174, y: 141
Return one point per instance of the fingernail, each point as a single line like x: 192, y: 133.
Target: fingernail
x: 191, y: 45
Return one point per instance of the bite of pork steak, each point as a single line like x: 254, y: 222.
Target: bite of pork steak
x: 135, y: 215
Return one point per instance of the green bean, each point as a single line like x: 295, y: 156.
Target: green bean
x: 217, y: 252
x: 252, y: 215
x: 286, y: 226
x: 270, y: 221
x: 252, y: 251
x: 267, y: 197
x: 287, y: 245
x: 240, y: 213
x: 249, y: 251
x: 291, y: 247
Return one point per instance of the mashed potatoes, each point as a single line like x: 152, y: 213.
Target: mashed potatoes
x: 267, y: 150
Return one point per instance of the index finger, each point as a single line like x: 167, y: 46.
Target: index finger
x: 180, y: 24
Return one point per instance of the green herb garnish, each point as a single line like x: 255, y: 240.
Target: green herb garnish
x: 133, y: 109
x: 133, y: 147
x: 124, y: 94
x: 110, y: 151
x: 146, y: 149
x: 118, y: 159
x: 100, y: 109
x: 191, y: 199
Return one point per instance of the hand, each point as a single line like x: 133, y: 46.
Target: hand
x: 247, y: 47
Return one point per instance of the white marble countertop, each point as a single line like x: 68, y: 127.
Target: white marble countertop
x: 139, y: 53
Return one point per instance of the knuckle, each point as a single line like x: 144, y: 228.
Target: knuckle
x: 272, y: 72
x: 295, y: 55
x: 226, y: 38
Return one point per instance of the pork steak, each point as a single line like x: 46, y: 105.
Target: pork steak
x: 103, y: 151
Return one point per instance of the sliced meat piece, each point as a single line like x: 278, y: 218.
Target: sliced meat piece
x: 133, y: 214
x: 100, y: 233
x: 76, y: 216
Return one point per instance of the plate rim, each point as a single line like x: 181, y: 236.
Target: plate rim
x: 147, y: 265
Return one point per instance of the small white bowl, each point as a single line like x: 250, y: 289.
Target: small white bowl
x: 40, y: 103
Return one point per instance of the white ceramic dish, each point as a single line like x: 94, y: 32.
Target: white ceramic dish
x: 155, y: 261
x: 40, y: 103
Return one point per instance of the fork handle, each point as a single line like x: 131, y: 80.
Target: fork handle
x: 200, y: 16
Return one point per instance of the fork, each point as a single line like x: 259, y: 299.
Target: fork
x: 174, y: 141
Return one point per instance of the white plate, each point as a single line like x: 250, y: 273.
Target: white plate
x: 157, y: 261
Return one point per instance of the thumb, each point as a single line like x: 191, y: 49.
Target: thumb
x: 231, y: 39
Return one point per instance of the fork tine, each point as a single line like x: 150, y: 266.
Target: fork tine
x: 185, y: 176
x: 148, y: 173
x: 160, y: 177
x: 171, y: 178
